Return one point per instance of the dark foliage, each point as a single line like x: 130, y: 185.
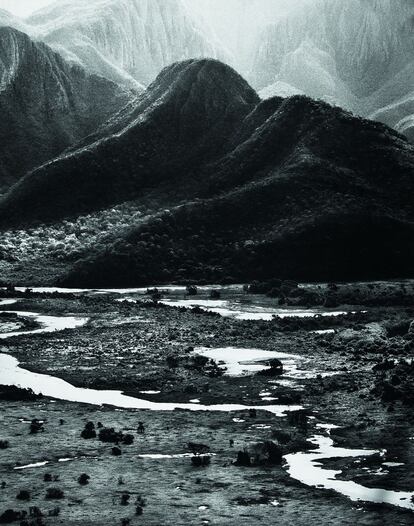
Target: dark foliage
x: 89, y: 431
x: 23, y: 495
x: 54, y: 494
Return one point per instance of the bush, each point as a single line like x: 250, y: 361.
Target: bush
x: 243, y: 459
x: 23, y: 495
x: 54, y: 493
x: 262, y: 453
x: 36, y: 426
x: 192, y: 290
x: 89, y: 431
x: 4, y: 444
x: 84, y: 479
x: 125, y: 498
x: 109, y: 435
x: 276, y: 368
x: 10, y: 516
x: 116, y: 452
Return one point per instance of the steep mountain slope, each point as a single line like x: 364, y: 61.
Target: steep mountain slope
x: 290, y: 188
x: 46, y: 104
x: 180, y: 123
x: 358, y: 54
x: 298, y: 189
x: 128, y: 41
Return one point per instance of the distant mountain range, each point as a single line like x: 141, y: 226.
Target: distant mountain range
x: 127, y: 41
x: 358, y: 54
x: 46, y: 104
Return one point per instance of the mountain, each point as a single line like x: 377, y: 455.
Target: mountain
x: 179, y: 124
x: 46, y: 104
x: 290, y: 188
x: 357, y: 54
x: 127, y: 41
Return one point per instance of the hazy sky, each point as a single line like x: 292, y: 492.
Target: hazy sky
x: 23, y: 7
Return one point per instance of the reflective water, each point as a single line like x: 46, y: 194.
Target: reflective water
x: 249, y: 311
x: 12, y: 374
x: 306, y: 467
x: 47, y: 323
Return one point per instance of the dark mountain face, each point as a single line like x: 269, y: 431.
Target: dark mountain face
x: 178, y: 125
x: 290, y: 188
x: 46, y: 104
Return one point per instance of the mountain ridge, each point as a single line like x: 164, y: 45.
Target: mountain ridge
x: 42, y: 119
x: 248, y: 185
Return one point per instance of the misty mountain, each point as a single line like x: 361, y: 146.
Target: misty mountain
x: 46, y: 104
x: 128, y: 41
x: 358, y: 54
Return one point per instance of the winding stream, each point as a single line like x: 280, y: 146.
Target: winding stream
x: 303, y: 466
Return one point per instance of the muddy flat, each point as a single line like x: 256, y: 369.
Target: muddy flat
x: 231, y: 419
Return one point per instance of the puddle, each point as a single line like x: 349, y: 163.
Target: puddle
x: 239, y: 361
x: 47, y: 323
x: 306, y: 468
x: 12, y: 374
x: 159, y: 456
x: 34, y: 465
x: 241, y: 311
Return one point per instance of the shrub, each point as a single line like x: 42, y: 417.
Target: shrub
x: 10, y: 516
x: 262, y: 453
x: 54, y: 493
x: 275, y: 368
x: 89, y: 431
x: 125, y: 499
x: 36, y: 426
x: 192, y: 290
x: 243, y: 459
x: 4, y: 444
x: 23, y: 495
x: 84, y: 479
x: 110, y: 435
x: 116, y: 452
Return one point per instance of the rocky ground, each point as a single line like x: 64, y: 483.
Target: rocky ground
x: 149, y: 347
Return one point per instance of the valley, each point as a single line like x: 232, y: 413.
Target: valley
x: 129, y: 341
x: 206, y: 262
